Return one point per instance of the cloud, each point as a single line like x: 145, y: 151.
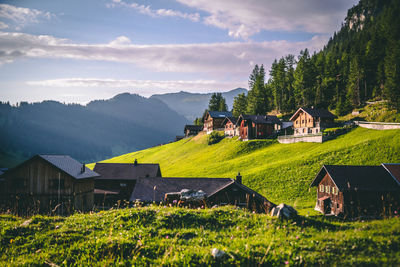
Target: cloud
x: 244, y: 18
x: 216, y: 58
x: 146, y: 10
x: 21, y: 16
x: 144, y: 87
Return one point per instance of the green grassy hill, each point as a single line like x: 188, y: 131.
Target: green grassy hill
x: 281, y: 172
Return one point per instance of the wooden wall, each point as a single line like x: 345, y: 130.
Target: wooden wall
x: 327, y: 188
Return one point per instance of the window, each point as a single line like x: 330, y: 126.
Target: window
x: 122, y: 184
x: 321, y: 188
x: 328, y: 189
x: 333, y: 190
x: 336, y: 191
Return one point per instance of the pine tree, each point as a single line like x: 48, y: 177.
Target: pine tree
x: 257, y: 100
x: 239, y: 105
x: 217, y: 103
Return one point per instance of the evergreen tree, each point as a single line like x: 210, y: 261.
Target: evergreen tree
x: 392, y: 73
x: 354, y: 83
x: 239, y: 105
x: 257, y: 100
x: 217, y: 103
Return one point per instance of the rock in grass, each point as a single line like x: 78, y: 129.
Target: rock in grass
x: 216, y: 253
x: 284, y: 211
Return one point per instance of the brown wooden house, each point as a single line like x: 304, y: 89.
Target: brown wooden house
x: 118, y: 180
x: 230, y: 126
x: 257, y: 126
x: 191, y: 130
x: 219, y: 191
x: 354, y: 191
x: 311, y: 121
x: 49, y: 183
x: 214, y: 119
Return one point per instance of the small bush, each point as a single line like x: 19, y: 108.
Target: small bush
x: 214, y: 137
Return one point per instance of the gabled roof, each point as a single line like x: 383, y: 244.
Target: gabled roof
x: 231, y: 119
x: 361, y: 178
x: 126, y: 171
x: 219, y: 114
x: 193, y: 127
x: 315, y: 113
x: 260, y: 119
x: 144, y: 189
x: 69, y: 166
x: 394, y: 170
x: 65, y: 164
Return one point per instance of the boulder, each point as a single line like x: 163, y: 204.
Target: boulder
x: 284, y: 211
x: 216, y: 253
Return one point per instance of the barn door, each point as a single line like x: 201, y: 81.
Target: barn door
x: 327, y: 206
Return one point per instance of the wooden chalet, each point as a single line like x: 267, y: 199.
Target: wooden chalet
x: 257, y: 126
x: 219, y: 191
x: 353, y: 191
x: 191, y: 130
x: 311, y: 121
x: 118, y: 180
x: 230, y: 126
x: 214, y: 119
x: 49, y: 183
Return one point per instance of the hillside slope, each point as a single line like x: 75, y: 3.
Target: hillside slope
x: 281, y: 172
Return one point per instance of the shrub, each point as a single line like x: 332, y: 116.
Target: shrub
x: 214, y: 138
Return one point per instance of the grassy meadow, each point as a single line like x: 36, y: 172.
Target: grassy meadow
x: 169, y: 236
x: 281, y: 172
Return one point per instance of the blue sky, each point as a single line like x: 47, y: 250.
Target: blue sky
x: 77, y: 51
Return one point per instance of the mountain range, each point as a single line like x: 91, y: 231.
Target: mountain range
x: 98, y: 130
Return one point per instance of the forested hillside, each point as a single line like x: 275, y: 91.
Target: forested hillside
x: 360, y: 62
x: 96, y: 131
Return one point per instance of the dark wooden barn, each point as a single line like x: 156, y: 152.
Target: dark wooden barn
x: 49, y: 183
x: 214, y: 119
x: 191, y: 130
x: 354, y: 191
x: 257, y: 126
x: 117, y: 180
x: 219, y: 191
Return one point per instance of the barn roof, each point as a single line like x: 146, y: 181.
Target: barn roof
x: 314, y: 112
x: 260, y: 119
x: 69, y: 166
x: 394, y: 170
x: 144, y: 189
x: 219, y: 114
x: 231, y: 119
x: 193, y: 127
x: 126, y: 171
x: 363, y: 178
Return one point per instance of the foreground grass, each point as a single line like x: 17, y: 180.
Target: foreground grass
x: 281, y: 172
x: 176, y: 236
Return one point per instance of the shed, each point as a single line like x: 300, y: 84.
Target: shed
x: 213, y: 120
x: 118, y: 180
x: 47, y: 183
x: 219, y: 191
x: 257, y: 126
x: 311, y: 120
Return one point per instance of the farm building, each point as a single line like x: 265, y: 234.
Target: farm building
x: 191, y: 130
x: 213, y: 120
x: 219, y: 191
x: 48, y: 183
x: 118, y: 180
x: 230, y: 126
x: 354, y: 191
x: 257, y: 126
x: 311, y: 121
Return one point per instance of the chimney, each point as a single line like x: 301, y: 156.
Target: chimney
x: 239, y: 178
x: 135, y: 163
x: 83, y: 168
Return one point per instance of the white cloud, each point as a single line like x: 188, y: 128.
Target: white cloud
x: 231, y: 58
x: 3, y: 25
x: 146, y: 10
x: 244, y: 18
x: 143, y: 87
x: 21, y: 16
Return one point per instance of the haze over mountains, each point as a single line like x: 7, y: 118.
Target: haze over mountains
x: 192, y: 105
x: 99, y: 130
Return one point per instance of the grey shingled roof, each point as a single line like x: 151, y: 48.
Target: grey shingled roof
x: 362, y: 178
x: 315, y: 112
x: 231, y: 119
x: 126, y: 171
x: 193, y: 127
x: 144, y: 189
x: 394, y: 170
x: 69, y: 165
x: 220, y: 114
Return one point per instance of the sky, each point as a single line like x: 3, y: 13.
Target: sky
x: 77, y: 51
